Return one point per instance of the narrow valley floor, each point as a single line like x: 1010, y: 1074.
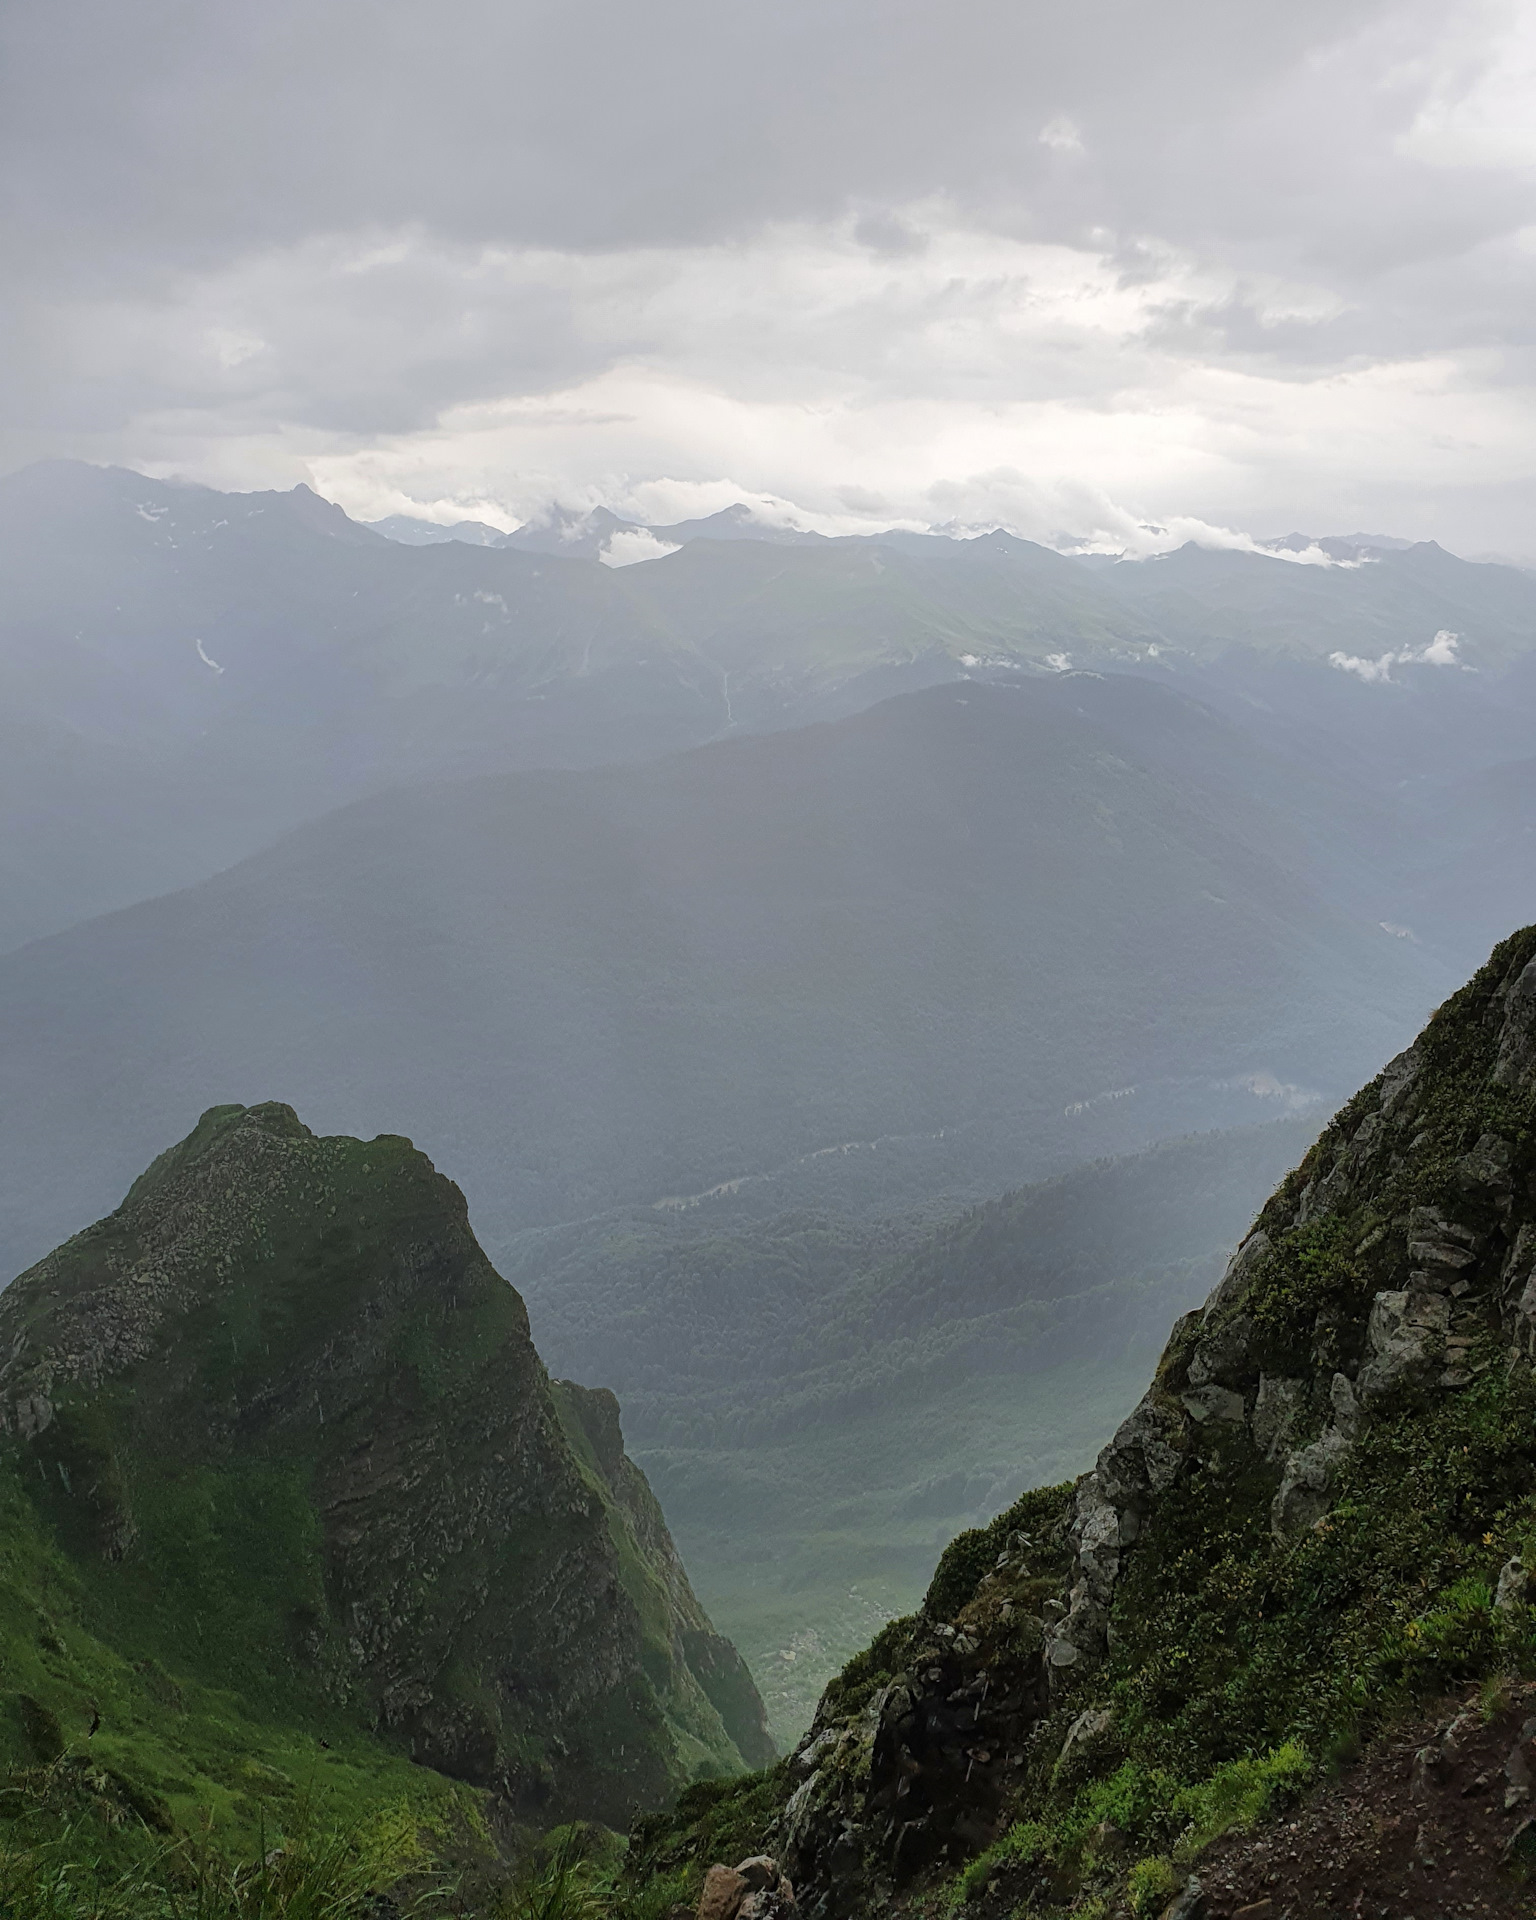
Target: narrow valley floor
x: 800, y: 1575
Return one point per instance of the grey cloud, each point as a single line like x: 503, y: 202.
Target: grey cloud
x: 189, y: 131
x: 542, y: 194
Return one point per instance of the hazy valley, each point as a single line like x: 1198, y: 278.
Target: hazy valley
x: 863, y: 988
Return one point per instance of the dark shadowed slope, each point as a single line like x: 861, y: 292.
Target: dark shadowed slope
x: 973, y: 924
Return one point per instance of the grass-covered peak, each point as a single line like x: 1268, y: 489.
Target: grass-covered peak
x: 288, y: 1509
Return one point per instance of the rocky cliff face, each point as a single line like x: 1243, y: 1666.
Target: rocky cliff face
x: 1323, y: 1507
x: 289, y: 1423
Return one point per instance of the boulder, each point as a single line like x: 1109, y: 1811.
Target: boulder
x: 1306, y: 1487
x: 1405, y: 1335
x: 1513, y: 1590
x: 724, y: 1891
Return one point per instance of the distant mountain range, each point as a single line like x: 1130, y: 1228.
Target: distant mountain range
x: 1000, y: 928
x: 185, y: 674
x: 591, y: 535
x: 773, y: 879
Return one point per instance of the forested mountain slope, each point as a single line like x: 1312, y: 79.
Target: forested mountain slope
x: 976, y: 924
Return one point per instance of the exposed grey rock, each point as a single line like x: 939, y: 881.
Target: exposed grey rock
x: 1142, y: 1460
x: 1084, y: 1730
x: 798, y: 1811
x: 1440, y: 1248
x: 1234, y: 1283
x: 1306, y: 1488
x: 1398, y: 1079
x: 1188, y: 1903
x: 1145, y: 1455
x: 1222, y: 1356
x: 1405, y: 1335
x: 1484, y: 1173
x: 1080, y: 1640
x: 1517, y: 1043
x: 1214, y: 1403
x: 1514, y: 1588
x: 1274, y: 1413
x: 31, y: 1412
x: 1518, y: 1280
x: 1347, y: 1414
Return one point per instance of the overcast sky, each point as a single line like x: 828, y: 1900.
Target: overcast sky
x: 1071, y: 268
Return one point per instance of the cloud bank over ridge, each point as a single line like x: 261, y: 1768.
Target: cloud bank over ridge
x: 1073, y: 271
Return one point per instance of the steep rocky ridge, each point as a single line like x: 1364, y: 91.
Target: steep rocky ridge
x: 1323, y: 1508
x: 289, y: 1428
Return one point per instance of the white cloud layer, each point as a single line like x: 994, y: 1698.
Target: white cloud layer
x: 1098, y: 274
x: 629, y: 546
x: 1439, y: 652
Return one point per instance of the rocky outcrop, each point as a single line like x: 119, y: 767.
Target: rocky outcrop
x: 754, y: 1890
x: 1299, y: 1448
x: 453, y: 1555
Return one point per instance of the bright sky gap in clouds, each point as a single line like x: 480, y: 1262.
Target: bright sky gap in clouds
x: 1076, y: 270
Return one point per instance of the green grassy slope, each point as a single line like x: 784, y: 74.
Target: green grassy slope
x: 288, y: 1509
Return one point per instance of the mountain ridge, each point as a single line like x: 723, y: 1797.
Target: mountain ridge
x: 1318, y: 1517
x: 186, y: 674
x: 294, y: 1440
x: 919, y: 892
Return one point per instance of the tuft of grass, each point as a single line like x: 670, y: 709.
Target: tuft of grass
x: 559, y: 1881
x: 1238, y: 1795
x: 1150, y: 1885
x: 1021, y: 1846
x: 311, y: 1872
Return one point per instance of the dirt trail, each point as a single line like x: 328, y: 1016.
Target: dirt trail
x: 1418, y: 1829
